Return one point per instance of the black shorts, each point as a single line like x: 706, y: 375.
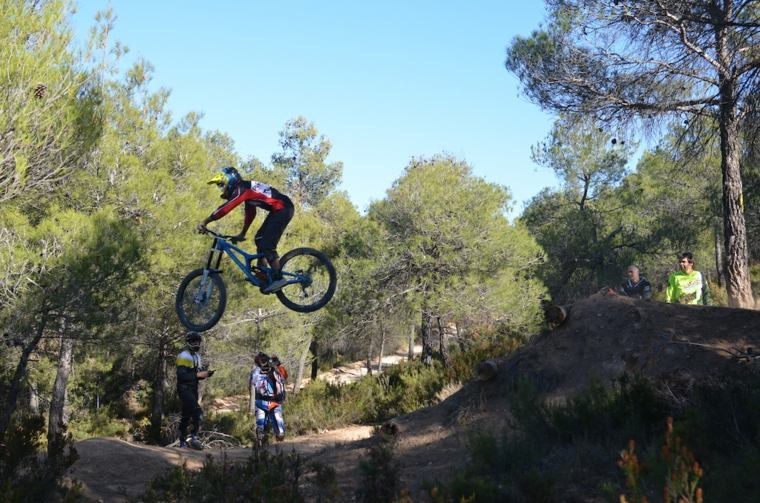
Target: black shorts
x: 271, y: 230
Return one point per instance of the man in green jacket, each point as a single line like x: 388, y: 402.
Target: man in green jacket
x: 687, y: 286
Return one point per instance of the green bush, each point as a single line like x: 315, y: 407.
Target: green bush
x: 400, y: 389
x: 631, y: 409
x: 264, y: 478
x: 573, y: 446
x: 381, y: 475
x: 27, y: 476
x: 99, y: 424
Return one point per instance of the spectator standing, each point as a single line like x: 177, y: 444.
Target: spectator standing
x: 189, y: 372
x: 687, y: 286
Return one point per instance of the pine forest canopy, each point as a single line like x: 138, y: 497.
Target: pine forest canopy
x: 626, y: 62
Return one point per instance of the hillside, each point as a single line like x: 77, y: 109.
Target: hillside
x: 603, y: 339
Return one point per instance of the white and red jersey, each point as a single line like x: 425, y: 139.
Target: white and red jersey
x: 255, y: 195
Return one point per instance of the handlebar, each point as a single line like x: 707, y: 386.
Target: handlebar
x: 222, y: 236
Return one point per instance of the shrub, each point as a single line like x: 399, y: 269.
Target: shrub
x: 683, y: 472
x: 380, y: 473
x: 632, y: 408
x: 99, y: 424
x: 264, y: 478
x: 24, y: 474
x: 398, y: 390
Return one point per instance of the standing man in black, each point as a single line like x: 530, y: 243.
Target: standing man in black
x: 189, y: 372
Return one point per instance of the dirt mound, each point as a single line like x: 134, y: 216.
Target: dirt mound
x: 603, y: 339
x: 606, y: 337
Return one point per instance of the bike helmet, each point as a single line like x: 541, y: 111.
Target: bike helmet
x: 193, y: 340
x: 227, y: 179
x: 260, y: 358
x: 266, y: 364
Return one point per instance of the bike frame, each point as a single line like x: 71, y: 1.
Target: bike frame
x: 244, y: 260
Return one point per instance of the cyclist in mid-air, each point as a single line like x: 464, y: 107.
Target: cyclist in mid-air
x: 255, y: 195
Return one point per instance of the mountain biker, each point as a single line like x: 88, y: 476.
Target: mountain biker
x: 189, y: 371
x: 253, y: 378
x: 255, y: 195
x: 687, y: 286
x: 270, y: 393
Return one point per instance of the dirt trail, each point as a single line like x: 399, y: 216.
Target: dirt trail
x: 113, y: 470
x: 603, y: 339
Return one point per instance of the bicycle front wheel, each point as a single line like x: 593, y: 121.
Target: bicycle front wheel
x: 201, y: 299
x: 312, y: 280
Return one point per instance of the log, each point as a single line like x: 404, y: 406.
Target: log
x: 556, y: 315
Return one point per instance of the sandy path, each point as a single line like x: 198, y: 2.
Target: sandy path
x: 112, y: 470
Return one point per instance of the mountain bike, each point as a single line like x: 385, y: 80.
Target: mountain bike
x: 202, y: 294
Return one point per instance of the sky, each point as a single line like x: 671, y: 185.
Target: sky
x: 384, y: 82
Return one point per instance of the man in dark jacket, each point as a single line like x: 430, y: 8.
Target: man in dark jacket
x: 189, y: 371
x: 636, y: 286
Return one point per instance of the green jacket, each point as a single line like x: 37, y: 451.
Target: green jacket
x: 687, y: 289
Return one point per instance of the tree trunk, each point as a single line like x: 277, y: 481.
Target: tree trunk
x: 9, y: 407
x: 314, y: 349
x: 410, y: 354
x: 460, y: 339
x: 442, y: 342
x: 159, y: 377
x: 34, y: 399
x: 734, y: 227
x: 369, y: 356
x: 426, y: 333
x: 718, y: 256
x: 382, y: 349
x: 57, y: 417
x: 301, y: 366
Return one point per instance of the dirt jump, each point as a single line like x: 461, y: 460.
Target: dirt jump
x: 602, y: 339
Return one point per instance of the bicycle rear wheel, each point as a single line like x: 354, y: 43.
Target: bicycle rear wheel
x: 313, y: 280
x: 201, y: 300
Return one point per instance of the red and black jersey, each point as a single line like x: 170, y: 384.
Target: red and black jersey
x: 255, y: 195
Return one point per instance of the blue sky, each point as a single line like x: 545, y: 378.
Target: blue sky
x: 383, y: 81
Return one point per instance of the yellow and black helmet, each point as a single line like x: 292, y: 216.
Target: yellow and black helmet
x: 227, y: 179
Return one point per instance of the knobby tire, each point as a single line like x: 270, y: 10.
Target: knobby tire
x: 295, y: 296
x: 217, y: 303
